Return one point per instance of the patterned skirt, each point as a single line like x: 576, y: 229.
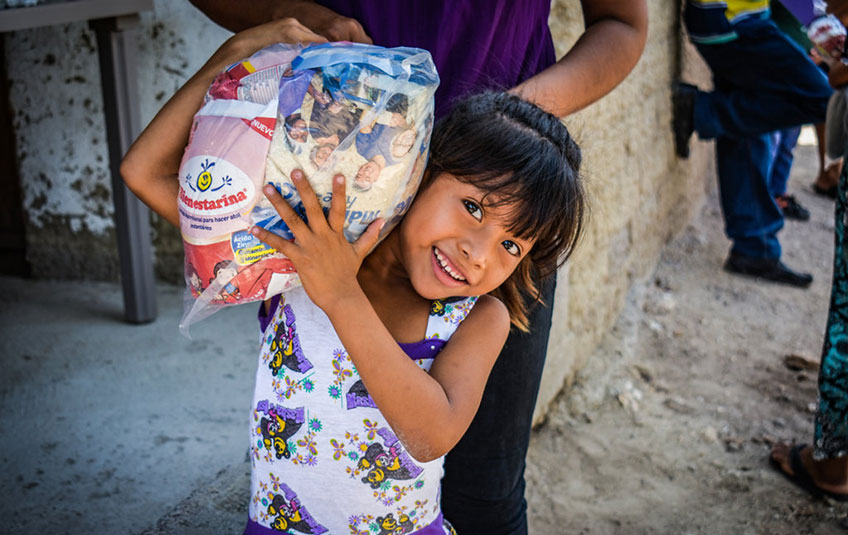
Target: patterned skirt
x: 831, y: 424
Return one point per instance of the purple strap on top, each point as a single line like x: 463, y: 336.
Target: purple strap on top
x: 425, y: 349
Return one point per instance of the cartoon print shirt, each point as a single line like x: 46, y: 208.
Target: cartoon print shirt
x: 324, y: 460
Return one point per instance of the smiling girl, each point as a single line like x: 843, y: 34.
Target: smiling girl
x: 373, y: 370
x: 394, y: 345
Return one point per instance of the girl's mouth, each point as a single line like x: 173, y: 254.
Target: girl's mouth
x: 445, y: 269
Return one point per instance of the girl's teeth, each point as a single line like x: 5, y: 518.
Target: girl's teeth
x: 444, y: 264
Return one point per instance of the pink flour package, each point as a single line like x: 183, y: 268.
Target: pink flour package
x: 362, y: 111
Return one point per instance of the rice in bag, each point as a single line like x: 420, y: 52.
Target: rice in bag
x: 362, y: 111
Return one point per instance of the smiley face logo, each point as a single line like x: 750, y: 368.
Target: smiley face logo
x: 204, y: 181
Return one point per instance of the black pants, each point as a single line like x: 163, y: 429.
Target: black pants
x: 483, y: 487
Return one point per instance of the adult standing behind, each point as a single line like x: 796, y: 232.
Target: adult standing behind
x: 763, y: 82
x: 480, y: 44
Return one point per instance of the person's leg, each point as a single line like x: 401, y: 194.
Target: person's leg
x: 751, y: 216
x: 826, y: 461
x: 831, y: 423
x: 483, y: 486
x: 834, y: 139
x: 782, y: 144
x: 782, y: 158
x: 752, y: 97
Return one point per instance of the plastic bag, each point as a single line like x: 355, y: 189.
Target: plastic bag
x: 363, y: 111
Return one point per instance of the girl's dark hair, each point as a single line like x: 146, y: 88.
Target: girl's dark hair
x: 523, y: 156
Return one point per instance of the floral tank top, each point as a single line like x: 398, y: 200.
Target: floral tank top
x: 323, y: 458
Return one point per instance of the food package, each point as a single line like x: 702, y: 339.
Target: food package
x: 362, y: 111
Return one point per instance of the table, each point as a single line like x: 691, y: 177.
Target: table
x: 115, y: 23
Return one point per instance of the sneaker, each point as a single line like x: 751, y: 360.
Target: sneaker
x: 770, y: 269
x: 791, y: 208
x: 683, y: 116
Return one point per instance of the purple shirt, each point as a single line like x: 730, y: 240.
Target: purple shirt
x: 475, y: 44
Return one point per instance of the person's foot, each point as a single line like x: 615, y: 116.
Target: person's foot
x: 828, y: 180
x: 771, y: 269
x: 828, y: 477
x: 791, y: 208
x: 683, y: 116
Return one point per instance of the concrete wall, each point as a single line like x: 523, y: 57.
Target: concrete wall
x: 640, y: 192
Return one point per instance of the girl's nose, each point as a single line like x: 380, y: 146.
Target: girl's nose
x: 474, y: 251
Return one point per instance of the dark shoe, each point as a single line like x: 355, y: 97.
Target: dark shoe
x: 802, y: 478
x: 791, y: 208
x: 770, y: 269
x: 683, y: 116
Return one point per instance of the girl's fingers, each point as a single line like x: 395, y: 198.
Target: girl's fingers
x: 369, y: 238
x: 287, y: 213
x: 336, y: 217
x: 311, y: 205
x: 280, y: 244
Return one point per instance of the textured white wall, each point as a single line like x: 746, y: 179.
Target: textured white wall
x: 57, y: 106
x: 57, y: 112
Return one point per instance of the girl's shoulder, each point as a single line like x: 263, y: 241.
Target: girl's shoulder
x: 446, y: 315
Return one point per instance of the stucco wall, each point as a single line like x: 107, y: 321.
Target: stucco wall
x: 641, y: 194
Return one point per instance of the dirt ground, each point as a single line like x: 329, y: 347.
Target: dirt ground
x: 668, y: 428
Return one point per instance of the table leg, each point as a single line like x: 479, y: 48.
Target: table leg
x: 117, y: 52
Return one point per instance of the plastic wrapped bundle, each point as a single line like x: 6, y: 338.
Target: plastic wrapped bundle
x: 362, y: 111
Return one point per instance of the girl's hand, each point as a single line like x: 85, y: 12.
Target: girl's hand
x: 325, y: 261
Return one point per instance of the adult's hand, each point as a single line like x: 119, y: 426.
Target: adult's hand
x: 245, y: 43
x: 237, y: 16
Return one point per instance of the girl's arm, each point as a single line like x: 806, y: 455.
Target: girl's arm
x: 150, y: 166
x: 428, y: 412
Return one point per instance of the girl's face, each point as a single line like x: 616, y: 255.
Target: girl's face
x: 451, y: 245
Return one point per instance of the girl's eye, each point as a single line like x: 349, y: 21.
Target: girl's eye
x: 511, y: 247
x: 473, y: 209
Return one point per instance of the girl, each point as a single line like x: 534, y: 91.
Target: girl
x: 373, y: 370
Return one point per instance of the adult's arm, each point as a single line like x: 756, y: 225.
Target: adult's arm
x: 603, y: 56
x: 238, y: 16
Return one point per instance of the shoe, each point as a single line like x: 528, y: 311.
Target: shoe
x: 683, y: 116
x: 791, y: 208
x: 802, y: 478
x: 770, y: 269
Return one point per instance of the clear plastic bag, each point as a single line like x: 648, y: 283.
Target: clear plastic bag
x: 341, y: 108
